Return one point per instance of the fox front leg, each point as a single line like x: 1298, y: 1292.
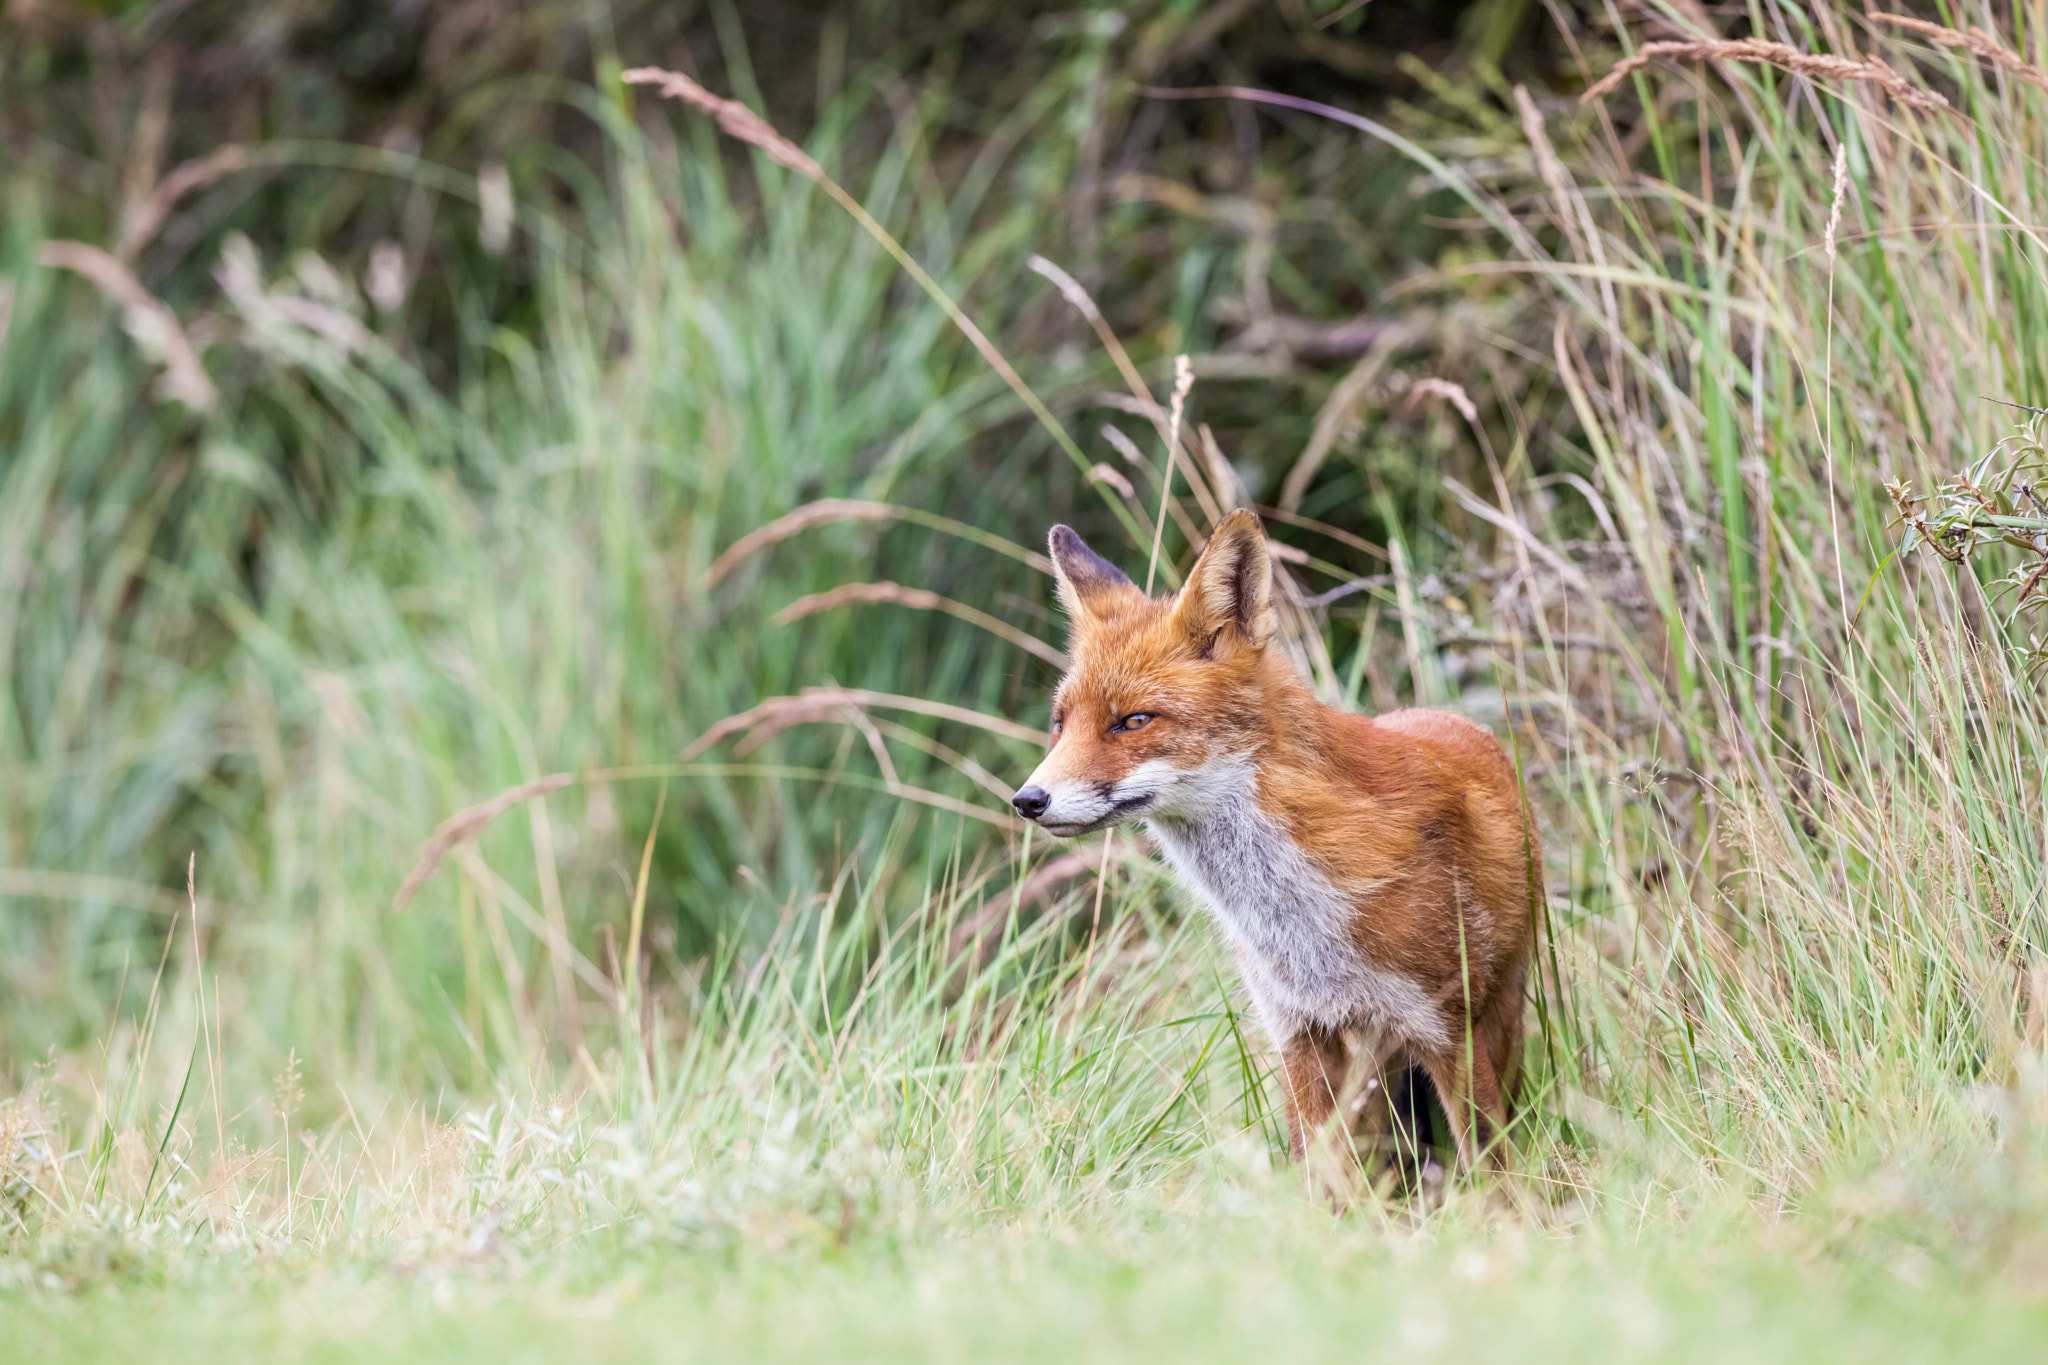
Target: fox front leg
x: 1471, y: 1098
x: 1314, y: 1065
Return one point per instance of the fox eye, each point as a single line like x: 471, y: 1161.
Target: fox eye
x: 1137, y: 720
x: 1058, y: 724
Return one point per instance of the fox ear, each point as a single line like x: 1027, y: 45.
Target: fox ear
x: 1086, y: 579
x: 1231, y: 586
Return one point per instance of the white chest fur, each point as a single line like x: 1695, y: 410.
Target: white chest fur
x: 1287, y: 921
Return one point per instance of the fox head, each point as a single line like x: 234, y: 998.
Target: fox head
x: 1165, y: 697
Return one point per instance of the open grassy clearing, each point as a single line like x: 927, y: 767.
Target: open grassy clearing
x: 791, y: 1043
x: 1281, y: 1288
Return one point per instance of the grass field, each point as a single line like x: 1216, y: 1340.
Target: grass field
x: 373, y: 478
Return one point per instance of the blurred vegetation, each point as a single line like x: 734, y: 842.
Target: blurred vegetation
x: 389, y: 395
x: 473, y: 318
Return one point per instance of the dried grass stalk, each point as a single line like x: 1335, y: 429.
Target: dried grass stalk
x: 815, y: 700
x: 148, y: 319
x: 1229, y: 487
x: 1147, y: 407
x: 1555, y: 178
x: 1771, y: 54
x: 141, y: 219
x: 824, y: 705
x: 1345, y: 397
x: 951, y: 757
x: 1978, y: 41
x: 817, y: 703
x: 1841, y: 194
x: 560, y: 950
x: 749, y: 127
x: 1322, y: 528
x: 735, y: 118
x: 923, y: 601
x: 829, y: 510
x: 1183, y: 384
x: 1111, y: 475
x: 1452, y: 393
x: 465, y: 824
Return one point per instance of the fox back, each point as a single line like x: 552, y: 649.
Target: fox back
x: 1378, y: 878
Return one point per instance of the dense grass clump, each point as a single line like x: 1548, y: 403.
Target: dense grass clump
x: 782, y: 1018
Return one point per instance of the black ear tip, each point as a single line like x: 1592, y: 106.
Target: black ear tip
x: 1078, y: 562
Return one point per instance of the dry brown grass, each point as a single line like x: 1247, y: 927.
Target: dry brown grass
x: 827, y: 511
x: 1979, y: 42
x: 153, y: 325
x: 922, y: 600
x: 818, y: 702
x: 465, y: 824
x: 1822, y: 64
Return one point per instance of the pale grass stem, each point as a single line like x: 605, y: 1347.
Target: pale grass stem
x: 209, y: 1032
x: 812, y: 699
x: 287, y: 1094
x: 1111, y: 475
x: 1841, y: 193
x: 1337, y: 411
x: 1450, y: 392
x: 1141, y: 393
x: 1183, y: 383
x: 1827, y: 435
x: 1094, y: 929
x: 142, y: 217
x: 629, y: 989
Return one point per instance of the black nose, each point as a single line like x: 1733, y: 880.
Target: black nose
x: 1031, y: 802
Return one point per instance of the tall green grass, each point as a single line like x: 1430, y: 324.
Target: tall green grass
x: 1790, y: 987
x: 292, y: 635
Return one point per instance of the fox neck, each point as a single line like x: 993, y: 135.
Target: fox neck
x: 1281, y: 721
x: 1288, y: 922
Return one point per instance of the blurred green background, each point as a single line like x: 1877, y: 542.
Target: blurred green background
x: 398, y: 408
x: 502, y: 357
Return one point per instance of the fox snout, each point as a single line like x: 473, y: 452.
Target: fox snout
x: 1066, y: 805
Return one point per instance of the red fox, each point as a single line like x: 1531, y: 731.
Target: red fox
x: 1377, y: 876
